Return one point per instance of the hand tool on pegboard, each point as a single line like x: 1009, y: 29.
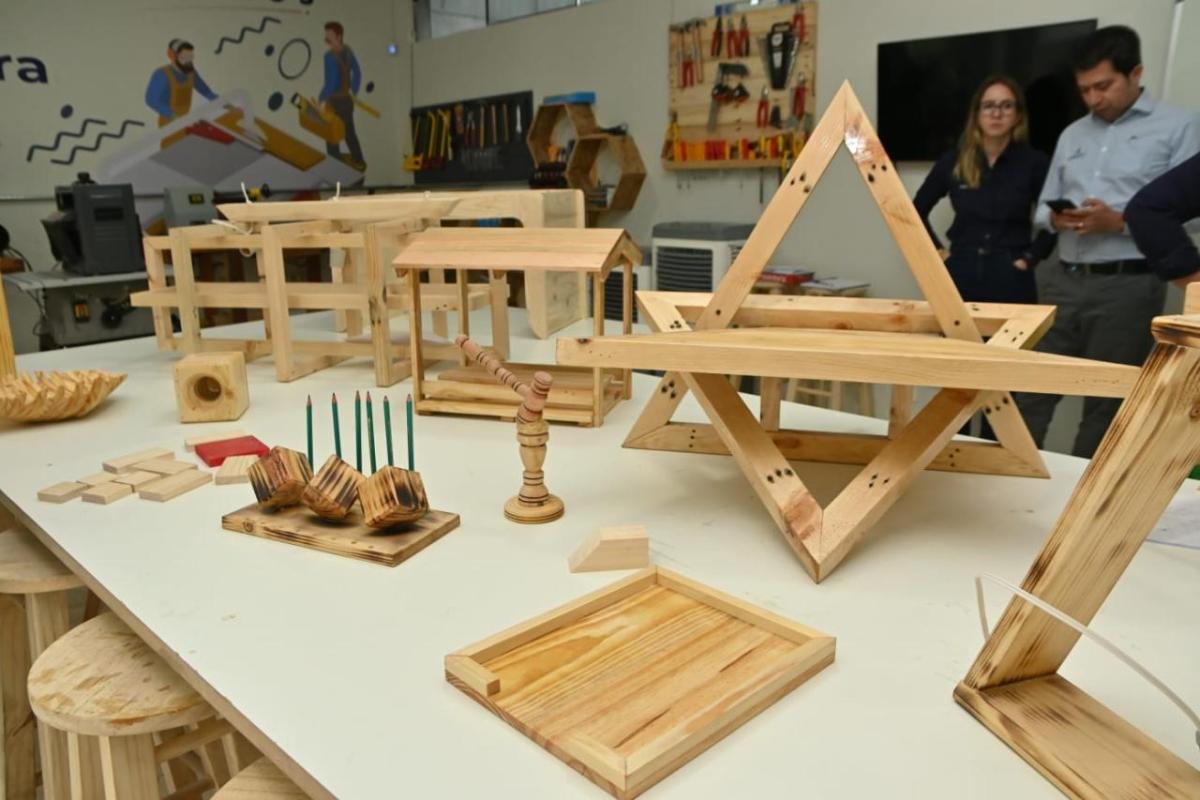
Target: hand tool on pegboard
x: 714, y: 49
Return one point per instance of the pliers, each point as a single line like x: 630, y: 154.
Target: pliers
x: 739, y: 40
x: 714, y: 49
x: 764, y: 108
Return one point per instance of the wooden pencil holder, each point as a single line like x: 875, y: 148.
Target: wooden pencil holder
x: 279, y: 477
x: 333, y: 491
x: 392, y: 496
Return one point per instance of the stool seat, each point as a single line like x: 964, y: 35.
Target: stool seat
x: 262, y: 780
x: 27, y: 567
x: 100, y: 679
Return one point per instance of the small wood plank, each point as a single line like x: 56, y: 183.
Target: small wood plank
x: 235, y: 469
x: 630, y: 683
x: 190, y: 443
x: 164, y: 466
x: 62, y: 492
x: 126, y: 463
x: 136, y: 479
x: 350, y: 537
x: 1081, y: 746
x: 171, y: 486
x: 621, y: 547
x: 105, y: 493
x: 97, y: 478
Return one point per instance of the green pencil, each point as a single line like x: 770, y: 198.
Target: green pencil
x: 337, y: 433
x: 408, y: 404
x: 357, y: 433
x: 387, y: 428
x: 371, y: 431
x: 308, y: 425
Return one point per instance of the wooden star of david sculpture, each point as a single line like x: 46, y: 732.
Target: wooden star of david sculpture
x: 701, y: 338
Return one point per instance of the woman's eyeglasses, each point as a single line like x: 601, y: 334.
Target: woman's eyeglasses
x: 997, y: 106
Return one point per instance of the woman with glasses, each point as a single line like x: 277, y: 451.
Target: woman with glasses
x: 993, y: 179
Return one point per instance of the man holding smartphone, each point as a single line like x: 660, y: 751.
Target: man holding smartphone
x: 1105, y: 290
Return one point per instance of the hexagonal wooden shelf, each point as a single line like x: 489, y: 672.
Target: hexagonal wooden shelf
x: 581, y: 168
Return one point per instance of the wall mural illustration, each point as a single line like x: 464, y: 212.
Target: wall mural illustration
x: 208, y: 130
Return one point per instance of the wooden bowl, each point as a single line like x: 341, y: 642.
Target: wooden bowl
x: 393, y: 496
x: 279, y: 477
x: 333, y: 491
x: 48, y: 396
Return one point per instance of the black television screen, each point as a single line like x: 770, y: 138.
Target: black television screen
x: 925, y: 85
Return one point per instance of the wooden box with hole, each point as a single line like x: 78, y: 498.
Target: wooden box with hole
x: 211, y: 387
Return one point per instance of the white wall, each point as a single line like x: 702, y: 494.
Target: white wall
x: 99, y: 57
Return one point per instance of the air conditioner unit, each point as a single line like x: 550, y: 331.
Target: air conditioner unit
x: 643, y: 278
x: 694, y: 256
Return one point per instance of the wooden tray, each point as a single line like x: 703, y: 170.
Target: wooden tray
x: 630, y: 682
x: 350, y: 537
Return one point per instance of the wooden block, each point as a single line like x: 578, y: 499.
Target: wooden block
x: 125, y: 463
x: 625, y: 547
x: 392, y: 496
x: 214, y: 453
x: 613, y: 686
x: 279, y: 477
x: 351, y: 537
x: 97, y: 479
x: 211, y: 386
x: 62, y: 492
x: 235, y: 469
x: 164, y: 466
x: 190, y: 443
x: 333, y: 490
x: 136, y: 479
x: 106, y: 493
x: 172, y: 486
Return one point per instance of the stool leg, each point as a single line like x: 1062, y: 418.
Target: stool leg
x: 83, y: 754
x: 213, y: 756
x: 130, y: 772
x: 16, y: 758
x: 47, y: 620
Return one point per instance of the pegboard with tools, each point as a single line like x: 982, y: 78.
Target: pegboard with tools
x: 742, y: 87
x: 481, y: 140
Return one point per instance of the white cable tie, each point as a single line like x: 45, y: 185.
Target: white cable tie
x: 245, y: 194
x: 1071, y: 622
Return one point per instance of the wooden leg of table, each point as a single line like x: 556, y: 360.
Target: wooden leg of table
x: 441, y: 324
x: 598, y: 330
x: 499, y: 305
x: 277, y: 305
x: 464, y: 309
x: 414, y: 334
x: 185, y: 292
x: 769, y: 399
x: 91, y: 606
x: 47, y: 620
x: 627, y: 324
x: 87, y: 780
x: 900, y: 410
x: 129, y: 769
x: 16, y: 759
x: 337, y: 274
x: 156, y: 278
x: 380, y: 317
x: 352, y: 273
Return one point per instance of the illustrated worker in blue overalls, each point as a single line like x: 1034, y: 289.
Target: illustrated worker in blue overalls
x: 169, y: 92
x: 342, y: 78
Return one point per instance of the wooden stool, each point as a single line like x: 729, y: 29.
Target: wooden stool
x: 262, y: 780
x: 33, y: 614
x: 100, y: 680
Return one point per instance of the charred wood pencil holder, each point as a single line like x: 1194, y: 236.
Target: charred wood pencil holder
x: 393, y: 496
x: 279, y: 477
x: 333, y: 491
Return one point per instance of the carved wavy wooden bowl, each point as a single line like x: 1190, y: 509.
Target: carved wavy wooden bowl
x: 49, y: 396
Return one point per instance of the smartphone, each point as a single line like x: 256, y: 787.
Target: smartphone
x: 1060, y: 205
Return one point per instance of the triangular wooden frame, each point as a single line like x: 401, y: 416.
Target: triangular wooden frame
x: 821, y: 537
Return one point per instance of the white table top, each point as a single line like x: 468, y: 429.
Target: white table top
x: 337, y: 663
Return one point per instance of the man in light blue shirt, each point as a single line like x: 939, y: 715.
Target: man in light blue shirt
x: 1105, y: 290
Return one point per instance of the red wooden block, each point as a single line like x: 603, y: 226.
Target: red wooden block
x: 214, y: 453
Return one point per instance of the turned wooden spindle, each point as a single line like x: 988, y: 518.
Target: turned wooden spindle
x: 534, y: 503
